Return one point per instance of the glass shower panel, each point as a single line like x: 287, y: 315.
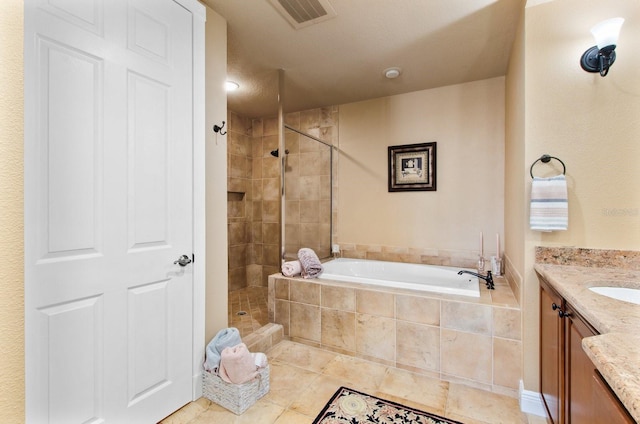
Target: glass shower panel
x: 307, y: 195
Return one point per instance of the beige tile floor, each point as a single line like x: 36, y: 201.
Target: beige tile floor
x: 304, y: 378
x: 252, y: 301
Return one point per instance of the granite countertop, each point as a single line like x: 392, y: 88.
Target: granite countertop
x: 616, y: 351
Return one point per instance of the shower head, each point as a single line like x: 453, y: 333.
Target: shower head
x: 275, y: 153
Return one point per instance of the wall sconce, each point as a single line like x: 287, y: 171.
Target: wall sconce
x: 601, y: 56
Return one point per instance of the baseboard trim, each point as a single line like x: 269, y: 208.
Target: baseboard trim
x: 531, y: 402
x: 197, y: 386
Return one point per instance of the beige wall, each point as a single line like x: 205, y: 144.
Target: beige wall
x: 591, y: 123
x: 515, y: 195
x: 216, y: 174
x: 11, y: 213
x: 467, y: 122
x: 515, y: 219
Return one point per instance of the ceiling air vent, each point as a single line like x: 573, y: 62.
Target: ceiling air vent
x: 302, y: 13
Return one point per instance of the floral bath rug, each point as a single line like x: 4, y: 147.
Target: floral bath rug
x: 348, y: 406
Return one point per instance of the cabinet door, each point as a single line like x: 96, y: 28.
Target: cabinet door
x: 551, y: 353
x: 609, y: 410
x: 579, y: 408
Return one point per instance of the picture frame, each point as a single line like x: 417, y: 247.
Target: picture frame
x: 412, y: 167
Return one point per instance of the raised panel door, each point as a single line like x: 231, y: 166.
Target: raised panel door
x: 108, y: 209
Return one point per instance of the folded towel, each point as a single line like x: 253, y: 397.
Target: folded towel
x: 237, y: 365
x: 549, y: 205
x: 311, y: 266
x: 291, y: 268
x: 226, y: 337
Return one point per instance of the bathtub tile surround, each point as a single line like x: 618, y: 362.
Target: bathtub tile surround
x: 507, y: 323
x: 477, y: 342
x: 339, y: 298
x: 467, y: 355
x: 338, y: 329
x: 376, y: 338
x: 421, y: 310
x: 304, y: 321
x: 427, y: 256
x: 467, y: 317
x: 417, y: 346
x: 376, y: 303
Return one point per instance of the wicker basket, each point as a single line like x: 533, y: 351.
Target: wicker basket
x: 237, y: 398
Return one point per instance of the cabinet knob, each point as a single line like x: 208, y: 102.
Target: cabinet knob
x: 561, y: 313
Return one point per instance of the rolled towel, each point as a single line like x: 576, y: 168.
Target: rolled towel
x: 237, y: 365
x: 260, y: 359
x: 227, y: 337
x: 311, y: 266
x: 291, y: 268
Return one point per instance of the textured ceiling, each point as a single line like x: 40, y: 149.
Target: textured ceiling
x: 341, y: 60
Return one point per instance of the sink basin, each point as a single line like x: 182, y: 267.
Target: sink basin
x: 619, y: 293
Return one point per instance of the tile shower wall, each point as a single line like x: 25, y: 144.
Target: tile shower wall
x: 477, y: 342
x: 265, y: 202
x: 253, y: 198
x: 308, y: 182
x: 464, y: 259
x: 238, y: 191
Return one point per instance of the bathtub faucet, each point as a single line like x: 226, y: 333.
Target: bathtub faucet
x: 488, y: 278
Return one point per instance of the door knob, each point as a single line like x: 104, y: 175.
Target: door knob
x: 183, y: 260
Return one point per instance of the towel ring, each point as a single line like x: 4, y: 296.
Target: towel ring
x: 546, y: 159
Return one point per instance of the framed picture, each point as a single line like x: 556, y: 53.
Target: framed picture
x: 412, y: 167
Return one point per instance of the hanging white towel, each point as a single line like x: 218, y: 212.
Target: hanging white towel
x: 549, y: 204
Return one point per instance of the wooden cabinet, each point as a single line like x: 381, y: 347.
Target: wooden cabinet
x: 609, y: 409
x: 579, y: 369
x: 551, y: 353
x: 572, y: 389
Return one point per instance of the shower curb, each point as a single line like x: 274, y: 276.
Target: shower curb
x: 264, y: 338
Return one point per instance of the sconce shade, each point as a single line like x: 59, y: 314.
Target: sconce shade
x: 600, y: 57
x: 606, y: 32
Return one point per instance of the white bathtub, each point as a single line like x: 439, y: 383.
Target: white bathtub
x: 429, y: 278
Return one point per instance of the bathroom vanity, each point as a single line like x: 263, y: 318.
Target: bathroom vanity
x: 584, y: 377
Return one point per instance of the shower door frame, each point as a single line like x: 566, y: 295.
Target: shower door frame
x: 282, y: 148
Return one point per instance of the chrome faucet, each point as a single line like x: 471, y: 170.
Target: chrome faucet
x: 488, y: 278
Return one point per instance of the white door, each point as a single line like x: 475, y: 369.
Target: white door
x: 108, y: 209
